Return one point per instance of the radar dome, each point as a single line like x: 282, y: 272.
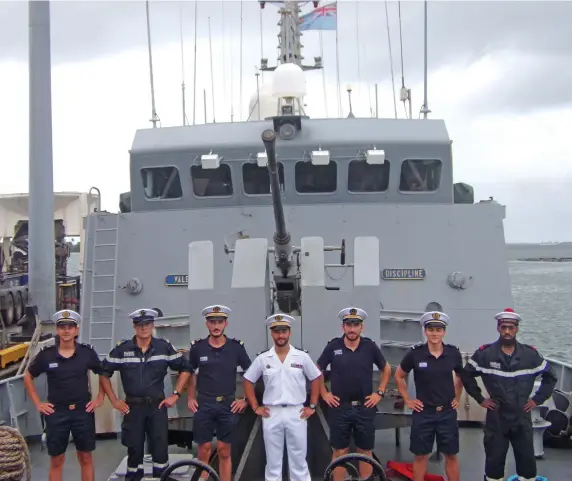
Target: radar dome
x: 289, y: 81
x: 268, y: 103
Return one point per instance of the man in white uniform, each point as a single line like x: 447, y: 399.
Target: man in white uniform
x: 284, y: 370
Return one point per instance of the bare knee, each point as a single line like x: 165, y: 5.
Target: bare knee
x: 223, y: 450
x: 340, y: 452
x: 84, y: 458
x: 57, y: 462
x: 205, y: 450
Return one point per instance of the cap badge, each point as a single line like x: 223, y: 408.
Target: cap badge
x: 353, y: 312
x: 65, y: 314
x: 278, y: 317
x: 142, y: 312
x: 436, y: 315
x: 216, y: 309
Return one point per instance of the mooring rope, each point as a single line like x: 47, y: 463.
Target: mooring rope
x: 14, y: 456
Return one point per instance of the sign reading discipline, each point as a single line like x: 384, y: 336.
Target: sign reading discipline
x: 403, y: 274
x: 177, y: 280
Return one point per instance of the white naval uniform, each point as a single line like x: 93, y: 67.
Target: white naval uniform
x: 284, y: 394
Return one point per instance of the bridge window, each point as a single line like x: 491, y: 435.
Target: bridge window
x: 316, y: 179
x: 364, y: 177
x: 257, y: 179
x: 420, y: 175
x: 212, y: 182
x: 161, y: 183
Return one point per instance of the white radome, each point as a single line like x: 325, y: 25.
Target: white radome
x: 268, y: 103
x: 289, y: 81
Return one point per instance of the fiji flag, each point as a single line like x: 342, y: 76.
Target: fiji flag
x: 322, y: 18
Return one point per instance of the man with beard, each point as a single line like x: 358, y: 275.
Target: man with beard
x: 351, y: 400
x: 69, y: 407
x: 508, y: 369
x: 284, y: 370
x: 142, y: 362
x: 216, y: 408
x: 437, y: 396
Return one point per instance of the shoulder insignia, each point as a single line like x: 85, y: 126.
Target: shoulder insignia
x: 452, y: 346
x: 366, y: 338
x: 415, y: 346
x: 196, y: 341
x: 531, y: 347
x: 332, y: 340
x: 123, y: 341
x: 303, y: 350
x: 262, y: 352
x: 85, y: 344
x: 238, y: 340
x: 483, y: 347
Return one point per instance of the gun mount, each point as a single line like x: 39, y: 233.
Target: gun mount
x: 282, y: 238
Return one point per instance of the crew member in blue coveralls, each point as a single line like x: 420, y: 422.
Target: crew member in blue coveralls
x: 508, y: 369
x: 351, y: 400
x: 284, y: 417
x: 437, y: 396
x: 69, y: 407
x: 216, y: 407
x: 142, y: 363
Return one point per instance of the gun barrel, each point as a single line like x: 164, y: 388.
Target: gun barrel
x: 281, y: 236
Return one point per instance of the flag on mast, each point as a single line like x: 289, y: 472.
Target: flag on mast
x: 321, y: 18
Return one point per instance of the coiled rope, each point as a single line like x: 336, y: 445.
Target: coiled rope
x: 14, y: 456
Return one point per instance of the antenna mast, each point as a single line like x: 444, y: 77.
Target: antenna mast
x: 154, y: 117
x: 212, y: 75
x: 183, y: 69
x: 195, y: 68
x: 290, y: 43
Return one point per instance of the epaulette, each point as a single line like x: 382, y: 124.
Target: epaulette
x: 123, y: 341
x: 366, y: 338
x: 332, y: 340
x: 483, y: 347
x: 303, y: 350
x: 238, y: 340
x: 196, y: 341
x: 261, y: 352
x: 85, y: 344
x: 531, y: 347
x: 415, y: 346
x: 452, y: 346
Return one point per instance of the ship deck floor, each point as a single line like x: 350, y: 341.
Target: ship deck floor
x: 555, y: 466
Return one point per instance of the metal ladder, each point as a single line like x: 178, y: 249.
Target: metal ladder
x: 103, y: 286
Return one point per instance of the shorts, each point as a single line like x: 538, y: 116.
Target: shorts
x: 214, y: 419
x: 346, y: 420
x: 64, y: 421
x: 429, y: 425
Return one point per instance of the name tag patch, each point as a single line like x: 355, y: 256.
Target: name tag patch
x: 203, y: 359
x: 338, y: 352
x: 422, y: 364
x: 495, y: 365
x: 53, y: 365
x: 129, y: 354
x: 297, y: 366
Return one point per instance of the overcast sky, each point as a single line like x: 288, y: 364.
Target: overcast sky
x: 499, y: 74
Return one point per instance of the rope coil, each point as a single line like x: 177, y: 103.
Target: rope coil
x: 14, y: 456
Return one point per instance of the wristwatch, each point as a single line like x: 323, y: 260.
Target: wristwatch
x: 312, y: 406
x: 176, y: 393
x: 380, y: 393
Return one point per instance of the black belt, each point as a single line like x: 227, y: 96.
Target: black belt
x: 69, y: 407
x: 215, y: 399
x: 437, y: 408
x: 143, y: 400
x: 352, y: 403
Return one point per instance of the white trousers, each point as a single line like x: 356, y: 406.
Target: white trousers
x: 284, y: 424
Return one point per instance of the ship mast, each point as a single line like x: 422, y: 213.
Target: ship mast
x: 290, y: 43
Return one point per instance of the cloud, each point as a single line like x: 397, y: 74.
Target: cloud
x: 498, y: 79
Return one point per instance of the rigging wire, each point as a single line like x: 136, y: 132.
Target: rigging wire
x: 185, y: 119
x: 391, y: 61
x: 401, y: 52
x: 224, y: 82
x: 261, y: 43
x: 240, y: 70
x: 358, y: 53
x: 195, y: 67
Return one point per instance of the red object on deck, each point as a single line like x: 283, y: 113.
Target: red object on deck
x: 406, y: 469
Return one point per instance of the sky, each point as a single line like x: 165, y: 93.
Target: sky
x: 499, y: 74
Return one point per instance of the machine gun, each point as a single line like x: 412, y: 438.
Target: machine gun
x: 282, y: 238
